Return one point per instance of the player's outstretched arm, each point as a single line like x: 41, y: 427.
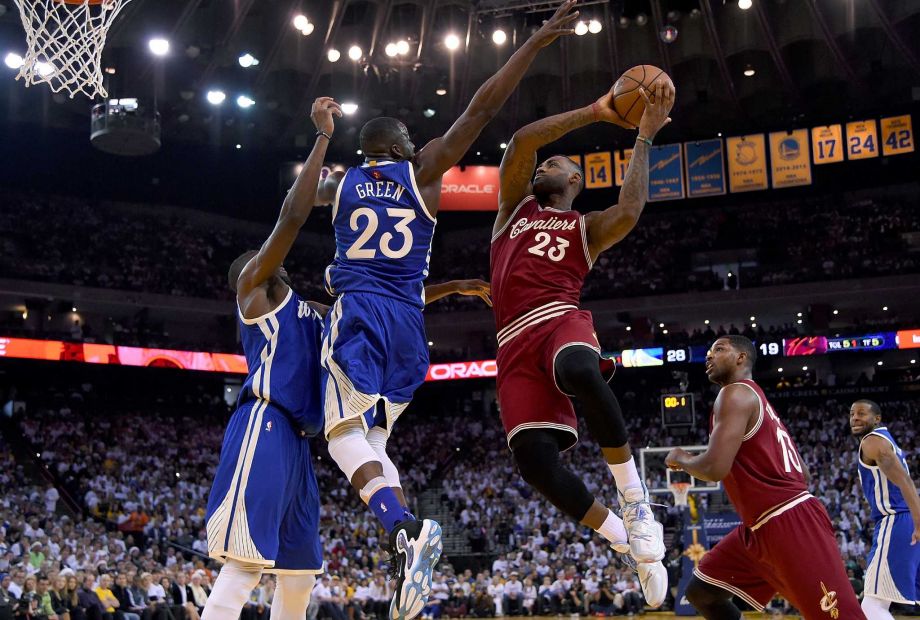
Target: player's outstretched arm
x: 440, y: 154
x: 479, y: 288
x: 297, y: 205
x: 877, y: 449
x: 732, y: 411
x: 606, y: 228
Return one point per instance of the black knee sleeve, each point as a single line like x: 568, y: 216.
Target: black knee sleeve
x: 712, y: 602
x: 536, y: 453
x: 578, y: 373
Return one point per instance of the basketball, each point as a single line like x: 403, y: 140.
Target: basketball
x: 627, y: 100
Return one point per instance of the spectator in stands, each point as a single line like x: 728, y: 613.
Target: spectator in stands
x: 89, y: 601
x: 330, y: 606
x: 513, y: 600
x: 199, y: 592
x: 605, y: 600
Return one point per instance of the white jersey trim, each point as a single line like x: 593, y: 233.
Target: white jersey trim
x: 584, y: 241
x: 268, y: 314
x: 531, y: 318
x: 759, y: 422
x: 511, y: 217
x: 338, y: 193
x: 877, y: 434
x: 729, y: 588
x: 775, y: 512
x: 529, y: 425
x: 418, y: 195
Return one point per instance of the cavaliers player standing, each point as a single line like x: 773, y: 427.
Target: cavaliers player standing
x: 785, y: 542
x: 547, y: 349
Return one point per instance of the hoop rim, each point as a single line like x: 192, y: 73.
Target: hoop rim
x: 79, y: 2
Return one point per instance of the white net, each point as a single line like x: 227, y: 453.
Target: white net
x: 64, y: 43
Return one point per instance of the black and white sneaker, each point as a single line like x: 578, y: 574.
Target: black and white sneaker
x: 416, y: 548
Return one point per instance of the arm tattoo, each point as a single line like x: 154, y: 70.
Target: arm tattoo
x: 634, y: 193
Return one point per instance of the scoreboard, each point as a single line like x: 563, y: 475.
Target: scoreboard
x: 677, y: 409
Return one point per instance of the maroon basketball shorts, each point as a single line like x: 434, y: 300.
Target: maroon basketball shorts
x: 529, y: 397
x: 793, y: 553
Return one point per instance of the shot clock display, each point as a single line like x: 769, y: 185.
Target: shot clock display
x: 677, y: 409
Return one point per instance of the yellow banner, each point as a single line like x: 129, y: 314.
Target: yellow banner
x: 575, y: 158
x: 862, y: 139
x: 789, y: 160
x: 621, y: 165
x: 598, y: 171
x: 747, y: 163
x: 897, y: 135
x: 827, y: 144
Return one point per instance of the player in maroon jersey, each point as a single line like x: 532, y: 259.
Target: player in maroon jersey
x: 548, y: 351
x: 786, y: 542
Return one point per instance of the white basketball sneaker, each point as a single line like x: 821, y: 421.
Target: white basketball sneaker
x: 653, y: 577
x: 416, y: 548
x: 646, y: 535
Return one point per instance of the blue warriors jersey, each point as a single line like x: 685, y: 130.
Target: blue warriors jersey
x: 884, y: 496
x: 282, y: 353
x: 382, y: 233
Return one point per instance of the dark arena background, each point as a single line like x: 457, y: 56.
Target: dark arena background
x: 784, y: 205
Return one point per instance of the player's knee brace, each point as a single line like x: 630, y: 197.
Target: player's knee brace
x: 536, y: 454
x: 377, y: 438
x: 578, y: 372
x: 349, y: 448
x: 292, y: 596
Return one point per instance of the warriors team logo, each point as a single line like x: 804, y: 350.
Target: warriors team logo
x: 829, y: 602
x: 745, y: 153
x: 789, y: 149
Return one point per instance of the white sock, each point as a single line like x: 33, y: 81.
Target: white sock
x: 613, y: 529
x: 876, y: 608
x: 625, y: 474
x: 292, y: 597
x: 234, y: 584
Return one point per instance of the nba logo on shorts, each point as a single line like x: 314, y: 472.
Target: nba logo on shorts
x: 268, y: 426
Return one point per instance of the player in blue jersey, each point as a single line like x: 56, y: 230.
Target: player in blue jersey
x: 375, y: 349
x: 893, y: 573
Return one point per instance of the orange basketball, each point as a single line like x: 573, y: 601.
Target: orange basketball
x: 627, y: 101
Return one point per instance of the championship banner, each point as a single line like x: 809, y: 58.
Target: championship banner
x: 621, y: 165
x: 665, y: 172
x: 789, y: 159
x: 747, y: 163
x: 705, y: 168
x: 470, y: 188
x: 897, y: 135
x: 827, y: 144
x: 598, y: 170
x: 862, y: 140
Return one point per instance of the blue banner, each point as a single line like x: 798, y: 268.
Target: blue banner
x: 665, y: 173
x: 705, y: 168
x: 700, y: 534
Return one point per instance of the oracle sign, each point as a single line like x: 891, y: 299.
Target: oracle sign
x: 474, y: 188
x: 462, y: 370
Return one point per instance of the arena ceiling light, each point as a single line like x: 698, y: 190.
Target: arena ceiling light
x: 216, y: 97
x: 499, y: 37
x: 428, y: 112
x: 333, y: 55
x: 13, y: 60
x: 248, y: 60
x: 349, y: 108
x: 749, y: 71
x: 836, y: 312
x: 594, y: 26
x: 641, y: 19
x: 402, y: 47
x: 158, y: 46
x: 581, y: 29
x: 303, y: 25
x: 390, y: 50
x: 744, y: 5
x: 503, y: 145
x: 244, y: 101
x: 355, y: 53
x: 440, y: 92
x: 451, y: 41
x: 44, y: 69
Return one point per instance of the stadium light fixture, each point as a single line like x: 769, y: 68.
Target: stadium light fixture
x: 594, y: 26
x: 428, y: 112
x: 629, y: 328
x: 804, y: 367
x: 581, y: 29
x: 216, y: 97
x: 706, y: 322
x: 158, y: 46
x: 355, y: 53
x: 349, y: 108
x: 661, y: 325
x: 451, y: 41
x: 402, y: 47
x: 13, y: 60
x: 744, y: 5
x: 780, y: 369
x: 753, y: 318
x: 248, y: 60
x: 300, y: 22
x: 884, y: 308
x: 244, y: 101
x: 749, y: 71
x: 499, y: 37
x: 503, y: 145
x: 440, y: 92
x: 641, y: 19
x: 836, y: 312
x: 390, y: 50
x: 44, y: 69
x: 333, y: 55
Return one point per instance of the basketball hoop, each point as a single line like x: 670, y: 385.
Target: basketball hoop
x: 65, y: 40
x: 680, y: 491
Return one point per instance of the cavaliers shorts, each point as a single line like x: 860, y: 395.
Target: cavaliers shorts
x: 794, y: 553
x: 528, y: 394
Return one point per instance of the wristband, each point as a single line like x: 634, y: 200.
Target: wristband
x: 323, y: 133
x: 644, y: 139
x: 594, y: 110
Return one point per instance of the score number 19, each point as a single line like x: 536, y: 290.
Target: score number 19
x: 769, y: 348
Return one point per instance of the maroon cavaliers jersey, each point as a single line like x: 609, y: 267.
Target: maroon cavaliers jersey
x: 539, y: 263
x: 767, y: 474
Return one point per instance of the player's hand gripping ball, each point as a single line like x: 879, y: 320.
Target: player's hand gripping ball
x: 626, y: 98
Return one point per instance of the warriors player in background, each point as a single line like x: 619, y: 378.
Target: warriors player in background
x: 785, y: 542
x: 893, y: 573
x: 375, y: 350
x: 542, y: 251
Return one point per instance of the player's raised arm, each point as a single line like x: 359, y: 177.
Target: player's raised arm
x: 875, y: 448
x: 606, y: 228
x: 479, y: 288
x: 297, y: 205
x: 437, y: 157
x: 732, y: 411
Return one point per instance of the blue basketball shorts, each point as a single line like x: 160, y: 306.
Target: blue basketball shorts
x: 893, y: 571
x: 374, y: 351
x: 264, y: 504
